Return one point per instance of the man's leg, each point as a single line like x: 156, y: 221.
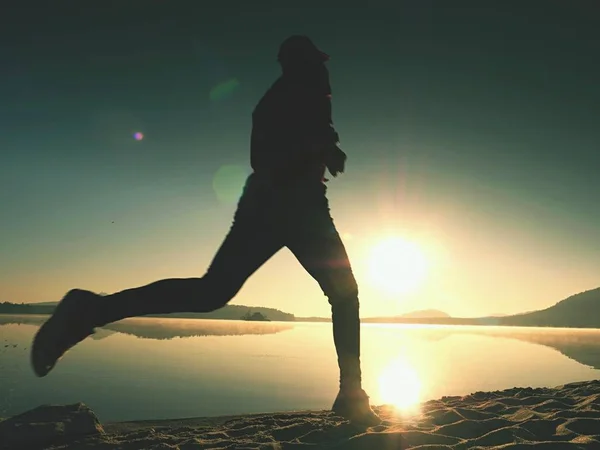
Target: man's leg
x: 252, y: 240
x: 319, y: 249
x: 314, y: 240
x: 245, y: 248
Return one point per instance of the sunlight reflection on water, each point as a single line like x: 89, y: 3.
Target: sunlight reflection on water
x: 400, y: 386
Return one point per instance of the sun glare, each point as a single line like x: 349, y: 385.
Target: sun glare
x: 397, y: 265
x: 400, y: 386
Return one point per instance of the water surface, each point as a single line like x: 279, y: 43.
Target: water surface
x: 148, y: 368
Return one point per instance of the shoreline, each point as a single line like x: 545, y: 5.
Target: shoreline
x: 447, y: 322
x: 562, y: 417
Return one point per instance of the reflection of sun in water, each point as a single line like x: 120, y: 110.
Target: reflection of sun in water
x: 397, y: 265
x: 400, y: 386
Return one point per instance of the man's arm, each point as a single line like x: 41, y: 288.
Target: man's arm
x: 319, y: 136
x: 327, y: 137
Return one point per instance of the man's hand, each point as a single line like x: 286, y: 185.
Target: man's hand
x: 335, y: 160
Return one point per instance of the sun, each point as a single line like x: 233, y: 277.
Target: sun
x: 397, y: 265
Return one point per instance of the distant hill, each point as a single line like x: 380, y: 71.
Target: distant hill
x: 577, y: 311
x: 236, y: 312
x: 228, y: 312
x: 426, y: 313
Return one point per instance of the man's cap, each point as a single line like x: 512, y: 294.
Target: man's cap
x: 300, y: 48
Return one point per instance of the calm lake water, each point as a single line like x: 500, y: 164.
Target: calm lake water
x: 149, y: 368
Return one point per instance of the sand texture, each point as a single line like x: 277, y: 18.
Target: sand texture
x: 565, y: 417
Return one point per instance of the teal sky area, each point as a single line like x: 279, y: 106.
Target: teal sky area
x: 471, y: 130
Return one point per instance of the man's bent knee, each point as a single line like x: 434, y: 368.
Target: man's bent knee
x: 342, y: 289
x: 345, y: 302
x: 219, y: 290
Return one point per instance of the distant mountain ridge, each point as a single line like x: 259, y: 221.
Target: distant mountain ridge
x: 581, y: 310
x: 426, y: 313
x: 236, y: 312
x: 577, y: 311
x: 228, y: 312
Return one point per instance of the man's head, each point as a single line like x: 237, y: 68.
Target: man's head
x: 299, y: 50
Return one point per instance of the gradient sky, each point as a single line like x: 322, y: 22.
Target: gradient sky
x: 471, y: 129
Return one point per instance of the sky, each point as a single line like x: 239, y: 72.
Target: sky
x: 470, y: 127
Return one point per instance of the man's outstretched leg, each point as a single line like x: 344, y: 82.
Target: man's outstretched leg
x: 317, y: 245
x: 252, y: 240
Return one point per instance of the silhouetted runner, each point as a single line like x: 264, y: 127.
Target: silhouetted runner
x: 283, y: 203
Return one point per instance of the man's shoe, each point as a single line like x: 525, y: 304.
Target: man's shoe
x: 354, y: 406
x: 71, y: 323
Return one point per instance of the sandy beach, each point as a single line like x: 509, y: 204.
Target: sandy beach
x: 564, y: 417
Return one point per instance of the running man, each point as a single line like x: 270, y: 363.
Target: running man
x: 283, y: 204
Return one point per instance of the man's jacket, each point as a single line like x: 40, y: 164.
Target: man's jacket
x: 291, y: 130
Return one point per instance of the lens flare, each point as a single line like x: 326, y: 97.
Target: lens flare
x: 228, y: 182
x: 224, y: 89
x: 138, y: 135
